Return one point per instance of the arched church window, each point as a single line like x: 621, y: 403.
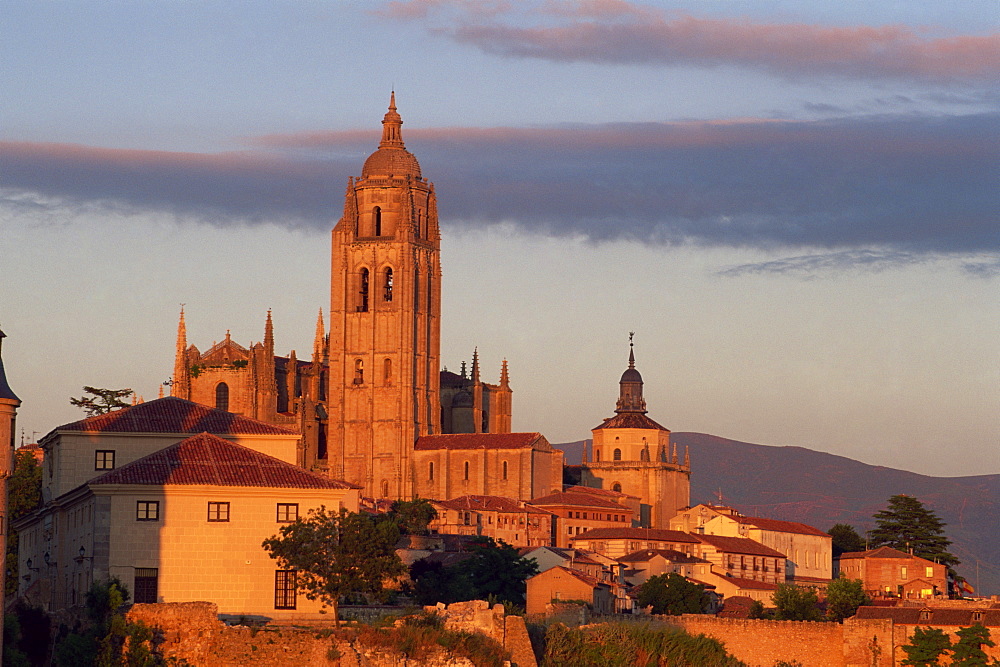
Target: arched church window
x: 597, y: 455
x: 387, y: 284
x: 359, y: 371
x: 616, y: 487
x: 505, y: 470
x: 385, y: 488
x: 617, y: 454
x: 377, y: 220
x: 430, y: 471
x: 387, y: 371
x: 363, y: 292
x: 222, y: 396
x: 466, y: 470
x: 644, y: 454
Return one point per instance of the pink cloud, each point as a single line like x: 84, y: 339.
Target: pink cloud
x: 615, y: 31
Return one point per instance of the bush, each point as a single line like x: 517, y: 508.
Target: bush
x: 628, y: 644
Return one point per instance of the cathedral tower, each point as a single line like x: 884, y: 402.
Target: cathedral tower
x: 633, y: 454
x: 385, y: 320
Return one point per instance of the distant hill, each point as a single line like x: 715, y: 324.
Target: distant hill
x: 820, y: 489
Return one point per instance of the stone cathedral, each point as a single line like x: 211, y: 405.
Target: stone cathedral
x: 372, y: 403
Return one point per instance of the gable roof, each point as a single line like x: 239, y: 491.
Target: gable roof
x: 778, y: 526
x: 578, y: 500
x: 576, y: 488
x: 751, y: 584
x: 208, y: 459
x: 630, y: 420
x: 172, y: 415
x: 488, y: 503
x: 593, y: 582
x: 880, y: 552
x: 930, y: 616
x: 649, y: 534
x: 480, y: 441
x: 671, y: 555
x: 739, y: 545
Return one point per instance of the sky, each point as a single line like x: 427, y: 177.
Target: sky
x: 794, y: 205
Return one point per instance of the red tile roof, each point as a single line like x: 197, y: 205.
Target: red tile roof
x: 739, y: 545
x: 630, y: 420
x: 646, y: 555
x: 752, y: 584
x: 593, y: 582
x: 478, y: 441
x: 488, y: 503
x: 930, y: 616
x: 597, y: 492
x: 779, y: 526
x: 208, y: 459
x: 578, y: 500
x: 172, y: 415
x: 650, y: 534
x: 881, y: 552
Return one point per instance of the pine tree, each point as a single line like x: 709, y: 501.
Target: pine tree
x: 925, y: 647
x: 906, y: 524
x: 968, y: 650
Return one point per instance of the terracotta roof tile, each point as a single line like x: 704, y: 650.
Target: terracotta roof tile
x: 646, y: 555
x: 752, y: 584
x: 739, y: 545
x: 597, y: 492
x: 488, y: 503
x: 651, y: 534
x: 880, y: 552
x: 578, y: 500
x: 172, y: 415
x: 208, y: 459
x: 478, y: 441
x: 930, y: 616
x: 630, y: 420
x: 779, y: 526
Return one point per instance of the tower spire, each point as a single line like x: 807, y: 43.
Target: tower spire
x: 392, y: 123
x: 504, y: 378
x: 181, y: 385
x: 320, y: 336
x: 630, y: 386
x: 268, y: 334
x: 475, y: 364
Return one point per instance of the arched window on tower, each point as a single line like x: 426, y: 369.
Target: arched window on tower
x: 377, y: 220
x: 363, y: 292
x: 387, y: 284
x: 387, y: 371
x: 597, y: 456
x: 430, y: 471
x: 505, y: 470
x: 466, y: 470
x: 222, y: 396
x: 617, y: 454
x: 359, y: 371
x: 385, y: 488
x: 616, y: 487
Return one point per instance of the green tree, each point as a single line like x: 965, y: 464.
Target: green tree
x: 433, y: 583
x: 906, y: 524
x: 968, y: 650
x: 101, y: 400
x: 845, y: 539
x: 24, y: 493
x: 843, y: 597
x: 925, y: 647
x: 412, y: 516
x: 496, y: 571
x: 793, y: 603
x: 337, y: 553
x: 672, y: 594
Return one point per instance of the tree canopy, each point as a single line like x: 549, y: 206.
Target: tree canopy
x: 793, y: 603
x: 968, y: 650
x: 925, y: 647
x: 672, y: 594
x: 906, y: 524
x: 845, y: 539
x: 494, y: 570
x: 24, y: 493
x: 101, y: 400
x: 337, y: 553
x: 412, y: 516
x: 843, y: 597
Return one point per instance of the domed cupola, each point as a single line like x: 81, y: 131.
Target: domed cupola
x: 391, y: 158
x: 630, y: 386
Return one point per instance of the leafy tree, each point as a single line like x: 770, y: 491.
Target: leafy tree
x: 496, y: 570
x: 433, y: 583
x: 673, y: 594
x: 412, y: 516
x: 101, y: 400
x: 24, y: 493
x: 757, y: 610
x: 968, y: 650
x: 845, y: 539
x: 337, y: 553
x: 906, y: 524
x: 796, y: 604
x: 925, y: 647
x: 843, y: 597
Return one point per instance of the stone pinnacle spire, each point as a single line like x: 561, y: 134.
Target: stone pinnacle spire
x: 320, y: 336
x: 475, y: 365
x: 504, y: 378
x: 268, y: 334
x: 181, y: 382
x: 392, y: 133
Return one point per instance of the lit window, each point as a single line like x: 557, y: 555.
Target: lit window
x: 928, y: 571
x: 288, y: 512
x: 284, y: 589
x: 147, y: 510
x: 104, y: 459
x: 218, y: 512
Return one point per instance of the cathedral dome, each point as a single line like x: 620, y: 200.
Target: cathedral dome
x: 463, y: 399
x: 631, y: 375
x: 391, y: 161
x: 391, y: 158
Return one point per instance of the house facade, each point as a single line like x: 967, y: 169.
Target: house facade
x: 888, y: 572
